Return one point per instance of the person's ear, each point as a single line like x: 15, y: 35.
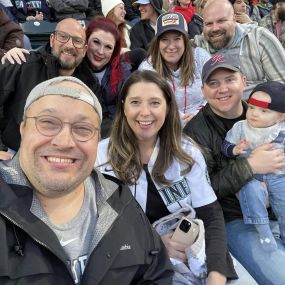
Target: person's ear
x: 244, y: 80
x: 51, y: 39
x: 22, y: 128
x: 85, y: 49
x: 202, y: 89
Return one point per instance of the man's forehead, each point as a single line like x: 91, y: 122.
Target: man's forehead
x: 70, y: 26
x: 65, y: 86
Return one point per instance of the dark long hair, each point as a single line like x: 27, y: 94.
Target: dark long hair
x: 108, y: 26
x: 123, y: 149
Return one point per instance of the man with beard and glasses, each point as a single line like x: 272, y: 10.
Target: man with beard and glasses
x: 261, y: 55
x: 63, y: 55
x: 275, y: 21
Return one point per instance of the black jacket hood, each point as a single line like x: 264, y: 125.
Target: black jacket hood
x: 157, y: 5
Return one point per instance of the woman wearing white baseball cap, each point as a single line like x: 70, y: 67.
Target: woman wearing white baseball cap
x: 115, y: 10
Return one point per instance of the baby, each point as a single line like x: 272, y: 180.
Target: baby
x: 264, y: 124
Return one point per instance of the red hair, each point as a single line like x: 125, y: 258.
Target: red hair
x: 109, y: 26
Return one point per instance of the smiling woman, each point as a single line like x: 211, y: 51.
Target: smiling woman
x: 147, y: 151
x: 115, y: 10
x: 173, y: 57
x: 107, y: 63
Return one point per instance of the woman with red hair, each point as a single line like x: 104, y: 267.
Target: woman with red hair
x: 108, y: 64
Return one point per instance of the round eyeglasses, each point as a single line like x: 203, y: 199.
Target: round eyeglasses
x: 50, y: 126
x: 64, y: 38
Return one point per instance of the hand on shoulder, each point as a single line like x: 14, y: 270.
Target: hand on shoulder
x: 15, y: 55
x: 4, y: 155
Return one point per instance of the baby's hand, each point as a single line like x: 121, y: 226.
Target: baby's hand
x: 241, y: 147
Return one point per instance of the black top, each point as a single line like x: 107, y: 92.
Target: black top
x: 141, y: 35
x: 228, y: 123
x: 155, y: 207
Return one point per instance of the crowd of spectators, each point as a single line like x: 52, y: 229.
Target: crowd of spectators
x: 170, y: 78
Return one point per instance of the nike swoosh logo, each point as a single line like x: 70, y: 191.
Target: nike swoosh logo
x: 108, y: 169
x: 64, y: 243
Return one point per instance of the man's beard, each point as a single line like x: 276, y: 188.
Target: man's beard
x: 67, y: 65
x: 281, y: 14
x: 218, y: 43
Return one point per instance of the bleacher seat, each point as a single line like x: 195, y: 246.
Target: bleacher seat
x: 38, y: 31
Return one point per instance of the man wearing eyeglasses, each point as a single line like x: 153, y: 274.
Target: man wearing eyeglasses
x: 61, y: 221
x: 63, y: 55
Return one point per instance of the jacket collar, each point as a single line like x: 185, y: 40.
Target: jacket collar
x: 17, y: 194
x: 212, y: 118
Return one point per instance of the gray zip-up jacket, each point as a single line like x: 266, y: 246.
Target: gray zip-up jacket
x: 261, y: 55
x: 30, y: 252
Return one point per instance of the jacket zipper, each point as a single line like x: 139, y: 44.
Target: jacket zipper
x: 35, y: 239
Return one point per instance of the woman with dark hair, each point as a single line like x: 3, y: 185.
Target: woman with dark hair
x: 174, y: 58
x: 165, y: 171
